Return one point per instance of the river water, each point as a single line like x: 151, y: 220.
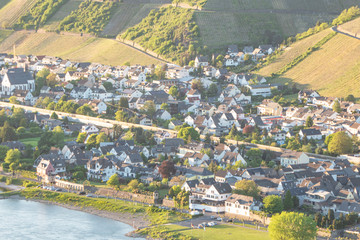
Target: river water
x: 21, y: 219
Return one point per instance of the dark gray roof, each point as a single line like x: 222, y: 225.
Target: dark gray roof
x: 310, y: 132
x: 222, y: 187
x: 18, y: 76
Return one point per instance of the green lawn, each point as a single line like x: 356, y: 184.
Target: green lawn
x: 220, y: 232
x: 32, y: 141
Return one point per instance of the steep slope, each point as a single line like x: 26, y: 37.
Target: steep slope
x: 333, y: 69
x: 262, y: 21
x: 13, y: 10
x: 74, y: 47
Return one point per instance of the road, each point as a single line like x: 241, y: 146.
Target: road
x: 107, y: 123
x: 85, y: 119
x: 336, y: 29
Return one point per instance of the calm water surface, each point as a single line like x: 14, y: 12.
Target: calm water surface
x: 21, y: 219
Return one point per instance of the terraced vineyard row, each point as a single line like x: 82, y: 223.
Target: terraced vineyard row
x: 12, y: 11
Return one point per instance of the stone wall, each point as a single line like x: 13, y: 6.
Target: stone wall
x: 149, y: 199
x: 168, y: 203
x: 252, y: 217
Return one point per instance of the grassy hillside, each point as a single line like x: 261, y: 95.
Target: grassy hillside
x: 333, y: 70
x: 4, y: 34
x: 262, y: 21
x: 106, y: 51
x: 292, y: 52
x: 13, y: 10
x: 327, y: 63
x: 352, y: 27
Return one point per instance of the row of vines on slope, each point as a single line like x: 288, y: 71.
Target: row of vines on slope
x: 169, y: 31
x: 90, y: 17
x: 39, y: 14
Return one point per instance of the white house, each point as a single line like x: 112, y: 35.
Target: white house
x: 17, y: 78
x: 292, y: 157
x: 241, y: 205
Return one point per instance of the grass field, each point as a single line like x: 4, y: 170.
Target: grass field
x: 64, y: 11
x: 220, y: 232
x: 127, y: 15
x: 262, y: 21
x: 4, y: 34
x: 292, y: 52
x: 74, y: 47
x: 32, y: 141
x: 333, y: 70
x: 352, y: 27
x: 10, y: 13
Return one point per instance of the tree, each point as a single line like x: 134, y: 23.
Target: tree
x: 212, y: 91
x: 336, y: 107
x: 164, y: 106
x: 309, y: 122
x: 133, y: 184
x: 101, y: 138
x: 248, y: 129
x: 113, y: 181
x: 124, y: 103
x: 173, y: 91
x: 54, y: 116
x: 58, y: 136
x: 12, y: 156
x: 186, y: 131
x: 213, y: 167
x: 174, y: 191
x: 7, y: 133
x: 247, y: 187
x: 3, y: 151
x: 340, y: 143
x: 292, y: 226
x: 78, y: 175
x: 81, y: 137
x: 350, y: 98
x: 108, y: 86
x: 166, y: 169
x: 254, y: 157
x: 149, y: 108
x: 296, y: 201
x: 51, y: 80
x: 91, y: 141
x: 273, y: 204
x: 197, y: 84
x: 288, y: 201
x: 331, y: 215
x: 121, y: 116
x: 13, y: 100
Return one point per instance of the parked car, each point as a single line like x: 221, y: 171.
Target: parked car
x: 213, y: 217
x: 219, y: 219
x: 194, y: 213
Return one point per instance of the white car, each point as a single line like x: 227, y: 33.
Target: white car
x: 194, y: 213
